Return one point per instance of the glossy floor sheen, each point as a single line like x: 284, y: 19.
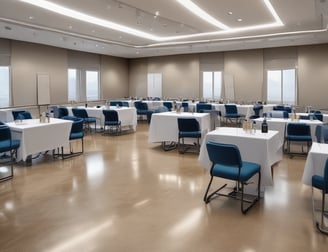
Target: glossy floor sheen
x: 125, y: 194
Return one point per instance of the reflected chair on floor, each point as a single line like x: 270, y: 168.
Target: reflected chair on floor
x: 112, y: 122
x: 87, y: 120
x: 231, y: 113
x: 321, y: 183
x: 76, y: 133
x: 299, y: 133
x: 21, y: 114
x: 8, y: 145
x: 228, y: 164
x: 188, y: 128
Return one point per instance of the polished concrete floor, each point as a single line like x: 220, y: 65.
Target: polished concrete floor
x: 125, y: 194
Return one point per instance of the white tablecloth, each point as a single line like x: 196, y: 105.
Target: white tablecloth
x: 315, y: 162
x: 164, y: 126
x: 127, y: 115
x: 246, y: 110
x: 36, y: 137
x: 279, y: 124
x: 262, y: 148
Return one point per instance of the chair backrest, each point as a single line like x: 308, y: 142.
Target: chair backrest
x: 125, y: 104
x: 321, y: 133
x: 231, y: 109
x: 188, y: 125
x: 80, y: 112
x: 21, y: 114
x: 317, y: 115
x: 77, y: 126
x: 62, y: 111
x: 224, y: 154
x: 141, y: 105
x: 200, y: 107
x: 168, y: 105
x: 325, y: 176
x: 257, y: 108
x: 110, y: 115
x: 5, y: 134
x: 116, y: 103
x: 279, y: 114
x: 298, y: 129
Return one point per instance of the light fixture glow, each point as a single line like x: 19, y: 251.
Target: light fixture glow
x: 122, y: 28
x: 202, y: 14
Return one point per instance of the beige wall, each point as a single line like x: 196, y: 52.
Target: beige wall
x: 114, y: 77
x: 313, y: 76
x: 27, y: 60
x: 246, y: 69
x: 138, y: 77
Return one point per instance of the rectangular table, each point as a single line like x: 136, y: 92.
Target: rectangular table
x: 37, y: 137
x: 279, y: 124
x: 315, y: 162
x: 127, y: 115
x: 164, y: 126
x: 262, y: 148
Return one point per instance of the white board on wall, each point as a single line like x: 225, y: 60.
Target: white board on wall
x: 229, y: 87
x: 43, y: 85
x: 154, y: 85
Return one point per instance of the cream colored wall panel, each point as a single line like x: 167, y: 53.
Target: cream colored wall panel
x: 138, y: 77
x: 246, y: 68
x: 29, y: 59
x: 114, y: 77
x: 313, y: 76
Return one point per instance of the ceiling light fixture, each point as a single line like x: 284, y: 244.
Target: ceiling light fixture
x: 122, y: 28
x: 202, y: 14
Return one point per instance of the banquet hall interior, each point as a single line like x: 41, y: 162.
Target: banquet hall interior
x: 128, y: 186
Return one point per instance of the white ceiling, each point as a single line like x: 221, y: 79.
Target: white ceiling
x: 304, y: 22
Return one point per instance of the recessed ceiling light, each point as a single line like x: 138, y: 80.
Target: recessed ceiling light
x: 229, y: 12
x: 157, y: 13
x: 239, y: 19
x: 70, y: 27
x: 30, y: 17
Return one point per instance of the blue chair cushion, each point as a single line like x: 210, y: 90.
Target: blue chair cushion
x: 318, y: 182
x: 248, y: 170
x: 5, y: 145
x: 299, y: 138
x: 76, y: 135
x: 90, y: 119
x: 190, y: 134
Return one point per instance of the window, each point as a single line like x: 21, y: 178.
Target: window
x: 4, y: 86
x: 92, y: 86
x: 83, y: 85
x: 281, y: 86
x: 212, y: 82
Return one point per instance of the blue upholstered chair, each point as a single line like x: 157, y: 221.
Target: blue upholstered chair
x: 62, y: 111
x: 257, y: 110
x: 317, y: 115
x: 76, y: 133
x: 279, y: 114
x: 200, y: 107
x: 185, y: 106
x: 142, y: 108
x: 321, y: 183
x: 228, y: 164
x: 87, y: 121
x: 231, y: 113
x: 298, y: 132
x: 7, y: 144
x: 21, y: 114
x: 169, y: 105
x: 321, y: 133
x: 112, y: 122
x: 116, y: 103
x: 188, y: 128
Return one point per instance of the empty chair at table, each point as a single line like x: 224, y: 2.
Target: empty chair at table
x: 185, y: 106
x: 298, y: 133
x: 111, y: 122
x: 321, y: 183
x: 116, y: 103
x: 62, y: 112
x: 142, y: 108
x: 321, y: 133
x: 200, y: 107
x: 87, y: 121
x: 257, y: 110
x: 21, y: 114
x: 188, y: 128
x: 227, y: 163
x: 278, y: 114
x: 7, y: 145
x: 76, y: 133
x: 231, y: 113
x: 169, y: 105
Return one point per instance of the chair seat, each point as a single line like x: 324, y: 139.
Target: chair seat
x: 90, y: 119
x: 5, y: 145
x: 247, y: 171
x: 76, y: 135
x: 190, y: 134
x: 318, y: 182
x: 299, y: 138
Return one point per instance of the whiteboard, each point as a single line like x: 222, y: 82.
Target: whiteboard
x: 154, y: 85
x: 229, y: 87
x: 43, y: 92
